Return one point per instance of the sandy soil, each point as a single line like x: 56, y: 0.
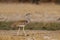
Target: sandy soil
x: 16, y: 11
x: 33, y: 34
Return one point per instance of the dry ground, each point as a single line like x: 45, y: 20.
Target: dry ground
x: 21, y: 8
x: 33, y: 34
x: 16, y: 11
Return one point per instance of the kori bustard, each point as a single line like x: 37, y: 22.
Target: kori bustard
x: 22, y: 23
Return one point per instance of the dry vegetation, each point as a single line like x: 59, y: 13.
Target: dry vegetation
x: 36, y: 34
x: 16, y: 11
x: 32, y: 8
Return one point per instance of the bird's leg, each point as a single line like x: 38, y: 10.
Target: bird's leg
x: 18, y: 31
x: 24, y: 31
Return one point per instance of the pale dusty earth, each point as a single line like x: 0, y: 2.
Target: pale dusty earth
x: 41, y: 12
x: 33, y: 35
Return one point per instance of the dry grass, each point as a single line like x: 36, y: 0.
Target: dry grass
x: 38, y: 35
x: 26, y: 8
x: 6, y: 37
x: 15, y: 11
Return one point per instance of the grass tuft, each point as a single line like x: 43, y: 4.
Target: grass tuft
x: 33, y: 26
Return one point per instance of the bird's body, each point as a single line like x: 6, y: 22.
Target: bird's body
x: 22, y: 23
x: 19, y: 23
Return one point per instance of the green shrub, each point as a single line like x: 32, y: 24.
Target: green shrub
x: 5, y: 25
x: 32, y: 26
x: 44, y: 26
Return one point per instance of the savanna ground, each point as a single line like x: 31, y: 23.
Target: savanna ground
x: 33, y: 34
x: 16, y: 10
